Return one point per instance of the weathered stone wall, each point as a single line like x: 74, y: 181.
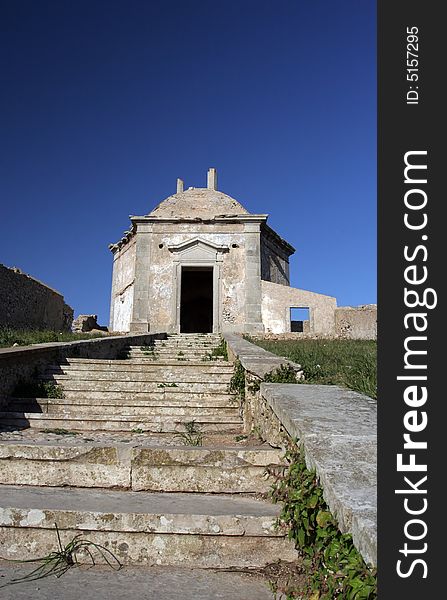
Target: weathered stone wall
x: 336, y: 428
x: 122, y: 287
x: 26, y: 303
x: 278, y: 299
x: 22, y: 363
x: 356, y: 322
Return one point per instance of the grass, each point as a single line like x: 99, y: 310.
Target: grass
x: 24, y: 337
x: 58, y: 562
x: 192, y: 436
x: 61, y: 431
x: 349, y: 363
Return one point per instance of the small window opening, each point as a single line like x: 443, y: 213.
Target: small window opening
x: 299, y: 319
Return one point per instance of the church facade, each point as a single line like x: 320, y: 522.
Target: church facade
x: 200, y: 262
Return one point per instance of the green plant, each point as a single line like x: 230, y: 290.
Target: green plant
x: 59, y: 561
x: 38, y: 389
x: 237, y: 381
x: 192, y: 436
x: 60, y: 431
x: 164, y: 385
x: 285, y: 373
x: 137, y: 430
x: 334, y: 567
x: 241, y: 438
x: 220, y: 350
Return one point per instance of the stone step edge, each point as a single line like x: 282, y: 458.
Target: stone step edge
x: 120, y: 419
x: 145, y: 362
x: 36, y: 511
x: 205, y: 403
x: 166, y: 456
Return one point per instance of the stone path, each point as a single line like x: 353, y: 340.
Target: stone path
x: 113, y: 460
x: 155, y: 583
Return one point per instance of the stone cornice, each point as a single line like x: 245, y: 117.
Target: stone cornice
x: 271, y: 234
x: 216, y: 219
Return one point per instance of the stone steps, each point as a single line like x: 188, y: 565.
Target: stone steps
x: 173, y: 355
x: 61, y: 409
x: 131, y: 366
x: 167, y: 393
x: 100, y: 422
x: 134, y: 376
x: 46, y: 404
x: 209, y: 531
x: 111, y: 460
x: 80, y: 386
x: 126, y: 466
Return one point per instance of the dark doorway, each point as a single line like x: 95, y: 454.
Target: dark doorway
x: 196, y: 303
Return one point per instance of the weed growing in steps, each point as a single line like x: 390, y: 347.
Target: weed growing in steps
x: 37, y: 389
x: 237, y: 381
x: 333, y: 567
x: 59, y: 561
x: 219, y: 351
x: 192, y: 436
x: 167, y: 385
x: 60, y: 431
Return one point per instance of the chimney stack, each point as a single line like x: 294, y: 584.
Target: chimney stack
x: 180, y: 185
x: 212, y: 179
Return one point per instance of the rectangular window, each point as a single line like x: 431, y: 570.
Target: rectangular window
x: 299, y: 319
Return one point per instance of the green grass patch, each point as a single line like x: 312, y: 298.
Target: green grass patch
x: 60, y: 431
x: 24, y: 337
x: 350, y: 363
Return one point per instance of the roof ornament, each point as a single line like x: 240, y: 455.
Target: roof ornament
x: 212, y: 179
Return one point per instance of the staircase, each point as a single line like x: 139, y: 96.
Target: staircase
x: 144, y: 455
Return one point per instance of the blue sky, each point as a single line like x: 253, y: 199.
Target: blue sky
x: 105, y: 104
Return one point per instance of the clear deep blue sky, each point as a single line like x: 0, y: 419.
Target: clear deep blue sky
x: 104, y: 104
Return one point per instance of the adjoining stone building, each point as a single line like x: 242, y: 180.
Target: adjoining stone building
x: 200, y: 262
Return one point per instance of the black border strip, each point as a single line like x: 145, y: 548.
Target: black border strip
x: 403, y: 128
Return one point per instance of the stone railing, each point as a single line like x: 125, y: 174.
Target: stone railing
x: 23, y: 362
x: 336, y: 428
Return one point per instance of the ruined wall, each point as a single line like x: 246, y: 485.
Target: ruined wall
x: 122, y: 287
x: 26, y: 303
x: 356, y: 322
x: 274, y: 262
x: 278, y: 299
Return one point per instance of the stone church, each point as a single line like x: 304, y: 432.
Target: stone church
x: 200, y: 262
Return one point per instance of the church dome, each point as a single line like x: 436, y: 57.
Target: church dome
x: 203, y: 203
